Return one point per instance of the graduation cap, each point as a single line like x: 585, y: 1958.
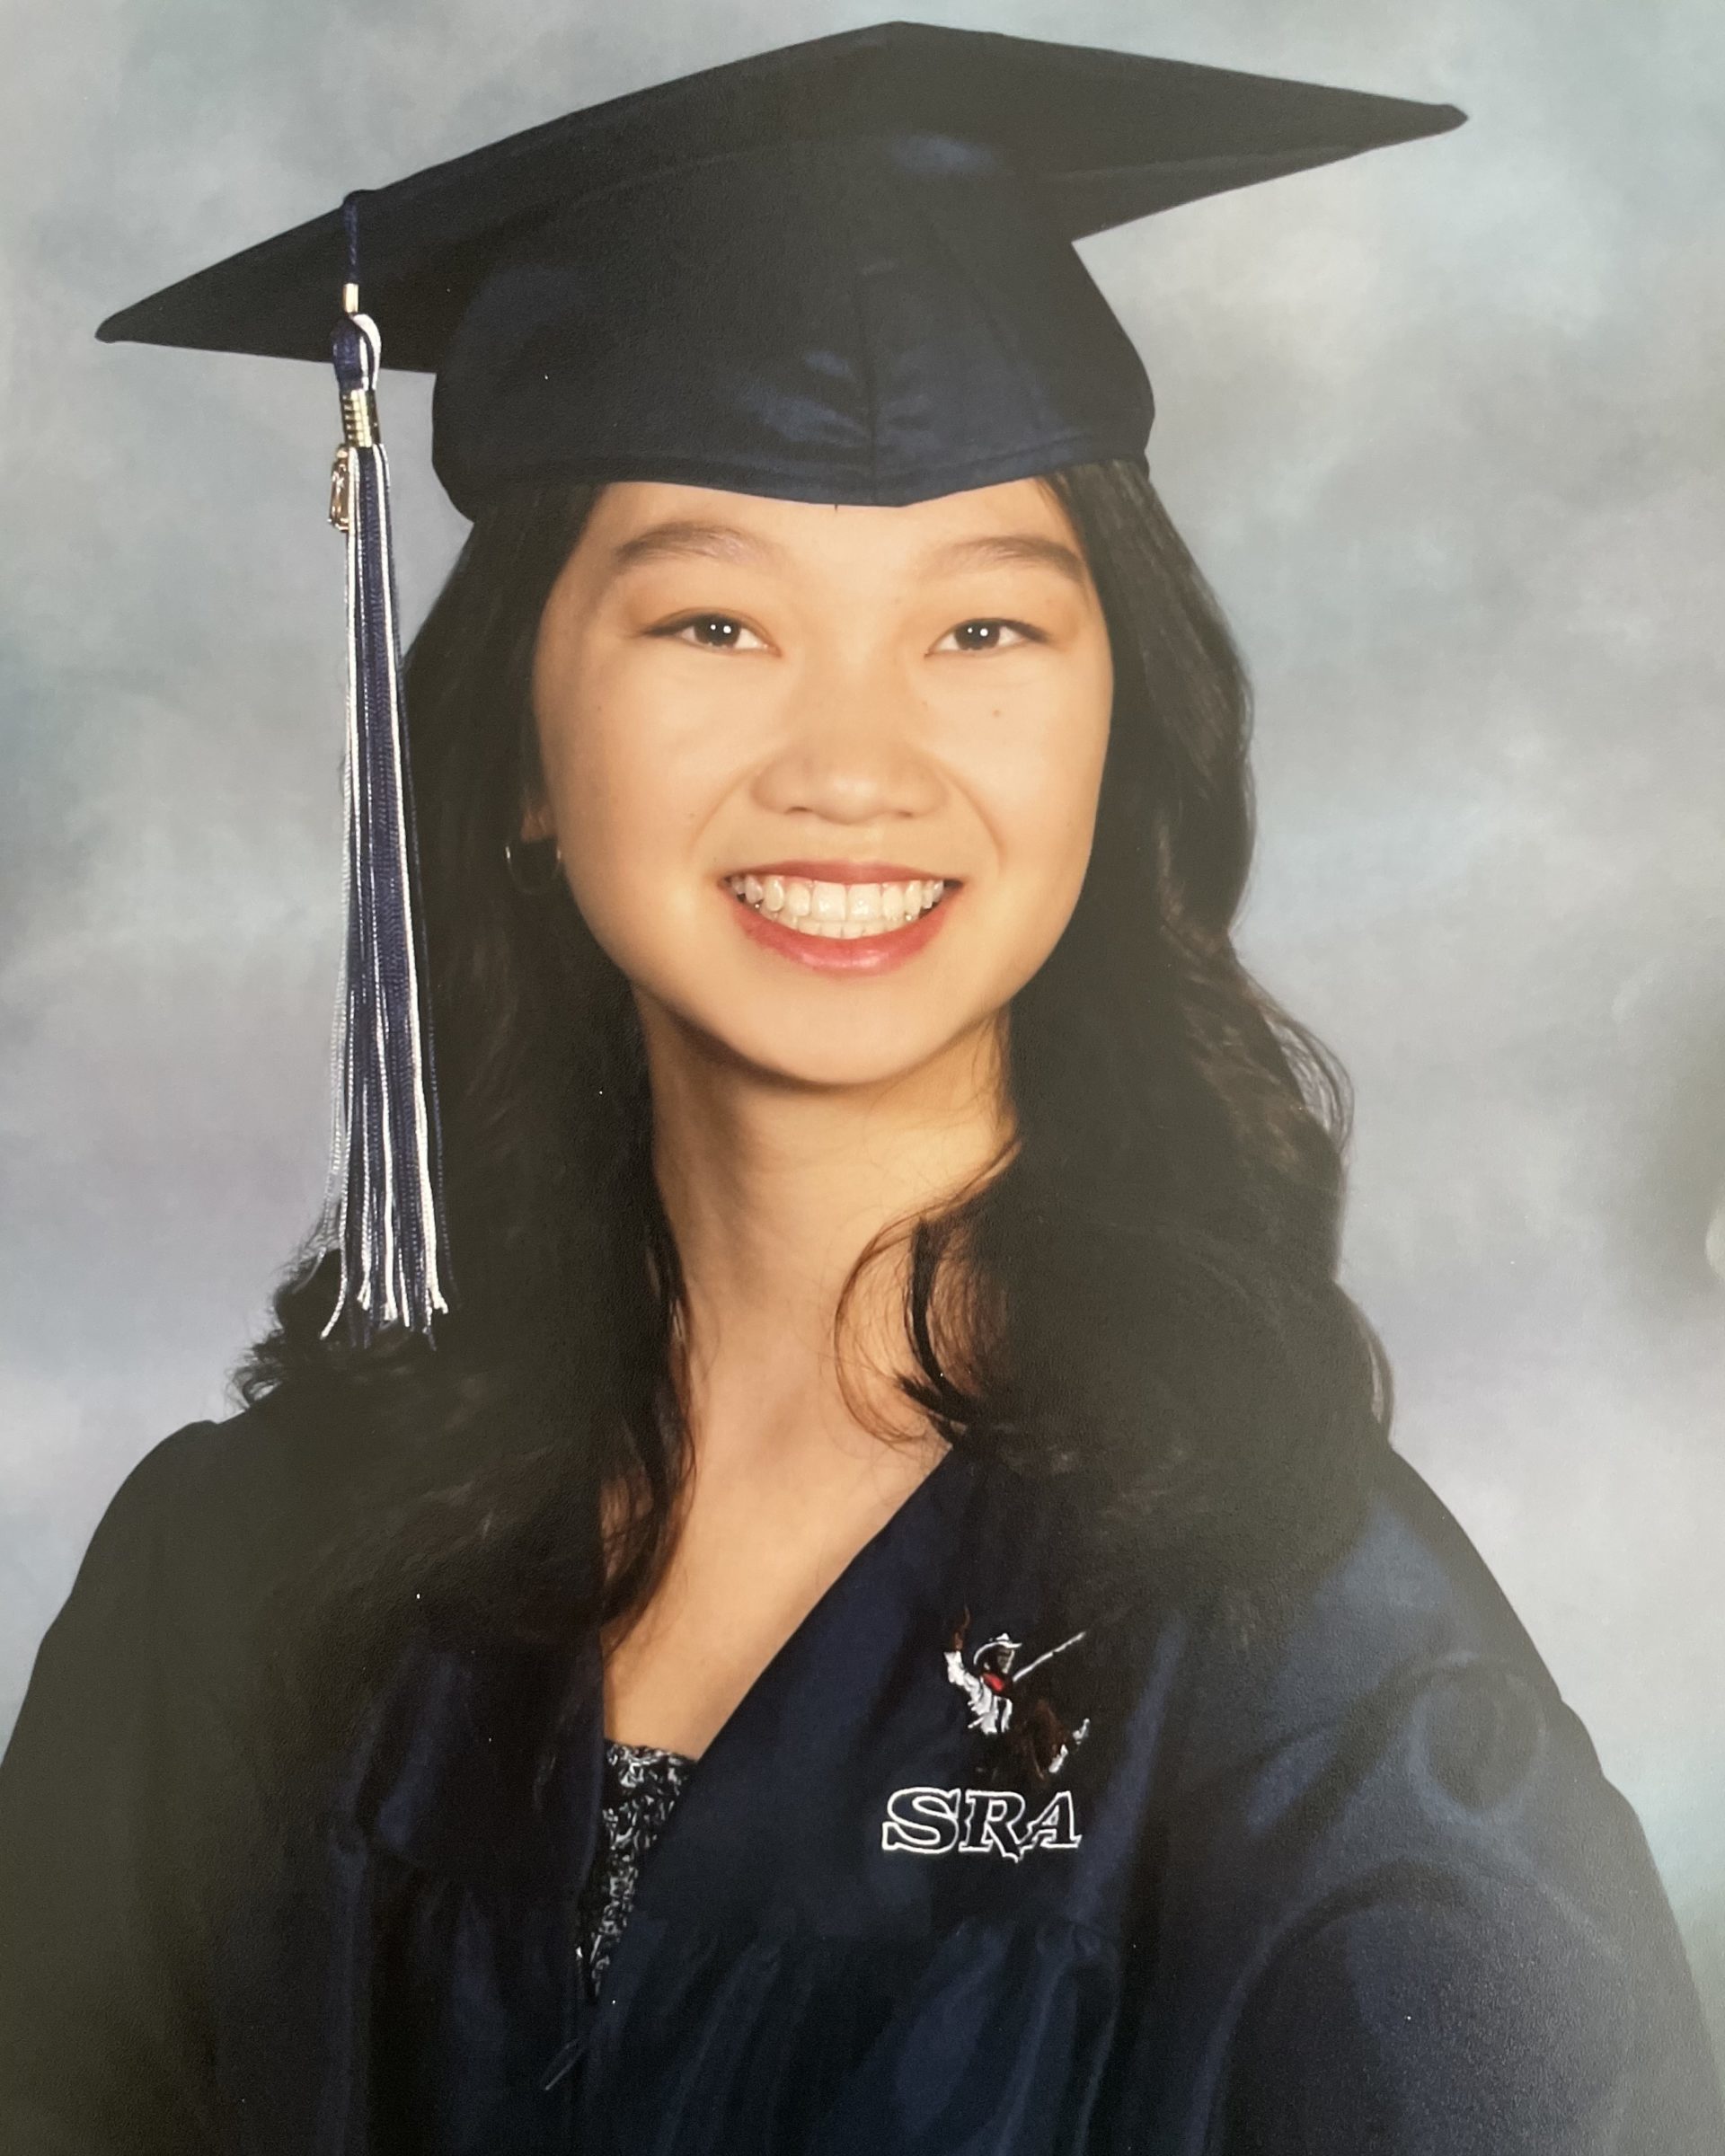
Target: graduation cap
x: 843, y: 271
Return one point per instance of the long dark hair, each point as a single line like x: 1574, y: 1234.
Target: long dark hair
x: 1140, y: 1311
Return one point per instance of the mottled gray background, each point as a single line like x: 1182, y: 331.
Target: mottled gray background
x: 1445, y: 426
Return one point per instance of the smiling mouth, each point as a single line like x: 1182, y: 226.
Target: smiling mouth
x: 839, y: 912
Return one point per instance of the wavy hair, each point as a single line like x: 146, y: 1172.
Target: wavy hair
x: 1138, y: 1310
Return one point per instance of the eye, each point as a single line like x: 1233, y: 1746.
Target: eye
x: 992, y: 630
x: 726, y: 630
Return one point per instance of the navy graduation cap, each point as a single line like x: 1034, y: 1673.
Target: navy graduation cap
x: 843, y: 271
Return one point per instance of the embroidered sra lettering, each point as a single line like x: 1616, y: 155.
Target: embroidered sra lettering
x: 922, y: 1821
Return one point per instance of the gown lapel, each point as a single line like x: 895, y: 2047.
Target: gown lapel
x: 770, y: 1824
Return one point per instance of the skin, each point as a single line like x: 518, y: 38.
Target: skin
x: 848, y: 684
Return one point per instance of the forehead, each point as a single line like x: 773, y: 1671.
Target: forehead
x: 1018, y: 523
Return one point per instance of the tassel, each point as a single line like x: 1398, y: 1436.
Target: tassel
x: 384, y: 1212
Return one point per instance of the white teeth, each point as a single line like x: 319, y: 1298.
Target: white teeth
x: 842, y: 912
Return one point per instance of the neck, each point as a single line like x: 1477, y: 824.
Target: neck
x: 774, y: 1190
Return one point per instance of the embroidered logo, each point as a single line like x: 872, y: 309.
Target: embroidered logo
x: 990, y: 1682
x: 927, y: 1821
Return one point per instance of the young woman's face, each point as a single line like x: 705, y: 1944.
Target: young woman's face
x: 824, y: 778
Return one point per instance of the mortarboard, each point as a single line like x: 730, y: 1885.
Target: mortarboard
x: 843, y: 271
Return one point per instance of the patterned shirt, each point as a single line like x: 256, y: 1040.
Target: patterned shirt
x: 642, y: 1783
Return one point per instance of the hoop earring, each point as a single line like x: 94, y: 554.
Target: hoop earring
x: 520, y: 854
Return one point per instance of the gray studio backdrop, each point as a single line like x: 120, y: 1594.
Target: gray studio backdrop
x: 1443, y: 424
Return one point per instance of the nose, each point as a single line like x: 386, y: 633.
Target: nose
x: 851, y: 749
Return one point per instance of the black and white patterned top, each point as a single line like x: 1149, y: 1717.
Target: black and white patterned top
x: 642, y: 1783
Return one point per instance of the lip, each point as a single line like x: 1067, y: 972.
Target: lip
x: 844, y: 871
x: 863, y: 955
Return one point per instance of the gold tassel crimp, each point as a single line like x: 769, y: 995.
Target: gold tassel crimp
x: 359, y: 430
x: 341, y: 489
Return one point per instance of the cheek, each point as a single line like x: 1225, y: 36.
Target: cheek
x: 1040, y: 804
x: 594, y: 785
x: 633, y: 778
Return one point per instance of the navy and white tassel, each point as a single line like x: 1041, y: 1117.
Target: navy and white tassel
x: 385, y: 1211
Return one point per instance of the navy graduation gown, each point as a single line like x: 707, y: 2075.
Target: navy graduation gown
x: 1366, y: 1890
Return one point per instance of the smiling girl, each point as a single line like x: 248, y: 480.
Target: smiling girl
x: 883, y: 1617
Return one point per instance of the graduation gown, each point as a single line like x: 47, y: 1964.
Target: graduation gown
x: 1366, y: 1890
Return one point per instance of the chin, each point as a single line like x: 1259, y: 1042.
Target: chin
x: 816, y: 1054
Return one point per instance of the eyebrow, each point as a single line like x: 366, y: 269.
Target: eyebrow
x: 729, y: 543
x: 1007, y: 549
